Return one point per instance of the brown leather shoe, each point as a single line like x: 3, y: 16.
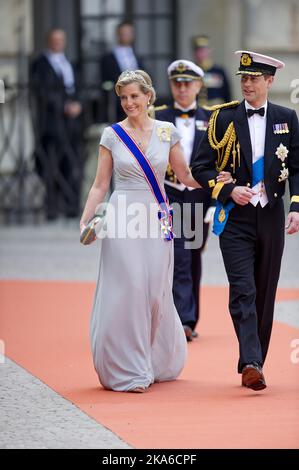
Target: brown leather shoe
x: 253, y: 377
x: 188, y: 332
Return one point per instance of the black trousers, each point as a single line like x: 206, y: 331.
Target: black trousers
x: 252, y: 246
x: 59, y: 164
x: 188, y: 263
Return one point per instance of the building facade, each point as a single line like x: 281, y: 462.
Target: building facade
x: 163, y: 33
x: 164, y: 29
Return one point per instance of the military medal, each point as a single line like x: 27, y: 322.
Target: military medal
x: 186, y: 119
x: 262, y: 189
x: 222, y: 215
x: 281, y: 128
x: 282, y: 152
x: 201, y: 125
x: 164, y: 134
x: 284, y: 174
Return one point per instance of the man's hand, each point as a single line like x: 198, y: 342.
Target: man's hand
x: 292, y: 222
x: 242, y: 195
x: 224, y: 177
x: 72, y: 109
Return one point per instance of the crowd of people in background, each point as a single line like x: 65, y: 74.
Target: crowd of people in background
x: 58, y: 109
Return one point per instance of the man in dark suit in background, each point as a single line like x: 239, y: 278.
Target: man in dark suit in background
x: 58, y: 127
x: 185, y: 80
x: 259, y: 142
x: 122, y: 57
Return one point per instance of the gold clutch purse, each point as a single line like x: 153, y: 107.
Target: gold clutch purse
x: 89, y: 234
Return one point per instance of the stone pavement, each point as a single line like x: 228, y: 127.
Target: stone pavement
x: 52, y: 252
x: 34, y: 416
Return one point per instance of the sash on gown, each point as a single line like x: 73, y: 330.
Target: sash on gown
x: 165, y: 213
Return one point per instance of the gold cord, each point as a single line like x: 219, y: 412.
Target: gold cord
x: 223, y: 147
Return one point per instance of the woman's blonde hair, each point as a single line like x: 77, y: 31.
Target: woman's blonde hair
x: 141, y: 78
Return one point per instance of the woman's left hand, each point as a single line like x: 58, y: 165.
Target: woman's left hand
x: 224, y: 177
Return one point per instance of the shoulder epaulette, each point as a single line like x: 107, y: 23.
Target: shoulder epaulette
x: 207, y: 108
x: 228, y: 141
x: 231, y: 104
x: 153, y: 109
x: 161, y: 108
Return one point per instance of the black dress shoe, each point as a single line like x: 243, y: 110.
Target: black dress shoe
x: 188, y: 332
x: 253, y: 377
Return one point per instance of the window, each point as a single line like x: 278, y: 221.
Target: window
x: 155, y: 43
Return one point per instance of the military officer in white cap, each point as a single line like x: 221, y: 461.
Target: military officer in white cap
x: 185, y: 80
x: 259, y: 142
x: 216, y: 87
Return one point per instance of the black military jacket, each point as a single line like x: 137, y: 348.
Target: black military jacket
x: 281, y: 154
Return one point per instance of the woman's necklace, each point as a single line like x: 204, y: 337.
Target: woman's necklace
x: 138, y: 138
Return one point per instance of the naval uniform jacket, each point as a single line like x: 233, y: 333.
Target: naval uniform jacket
x: 253, y: 237
x: 201, y: 122
x: 187, y: 263
x: 204, y: 171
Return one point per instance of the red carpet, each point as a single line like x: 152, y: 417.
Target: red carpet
x: 45, y: 326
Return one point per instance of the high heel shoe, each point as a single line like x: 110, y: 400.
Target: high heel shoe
x: 138, y: 390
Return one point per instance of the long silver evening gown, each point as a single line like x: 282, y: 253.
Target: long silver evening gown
x: 136, y: 334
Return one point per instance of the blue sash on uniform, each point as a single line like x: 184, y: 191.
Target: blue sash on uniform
x: 165, y: 213
x: 258, y: 171
x: 222, y: 211
x: 221, y: 216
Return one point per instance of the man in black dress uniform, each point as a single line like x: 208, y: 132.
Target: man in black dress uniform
x: 259, y: 142
x: 216, y: 87
x: 185, y: 79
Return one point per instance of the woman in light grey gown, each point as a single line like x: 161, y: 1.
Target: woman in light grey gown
x: 136, y: 335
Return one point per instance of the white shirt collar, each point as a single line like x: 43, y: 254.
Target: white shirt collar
x: 55, y: 55
x: 192, y: 106
x: 265, y: 105
x: 120, y: 49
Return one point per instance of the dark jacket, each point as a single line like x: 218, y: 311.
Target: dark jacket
x: 49, y: 98
x: 110, y: 71
x: 201, y: 121
x: 216, y: 86
x: 203, y: 168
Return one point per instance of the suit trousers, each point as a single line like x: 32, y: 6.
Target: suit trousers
x: 187, y: 262
x: 59, y: 164
x: 252, y: 246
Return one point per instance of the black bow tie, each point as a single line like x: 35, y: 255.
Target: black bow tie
x: 251, y: 112
x: 184, y: 114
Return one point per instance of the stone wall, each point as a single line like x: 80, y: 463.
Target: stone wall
x: 16, y: 37
x: 270, y: 27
